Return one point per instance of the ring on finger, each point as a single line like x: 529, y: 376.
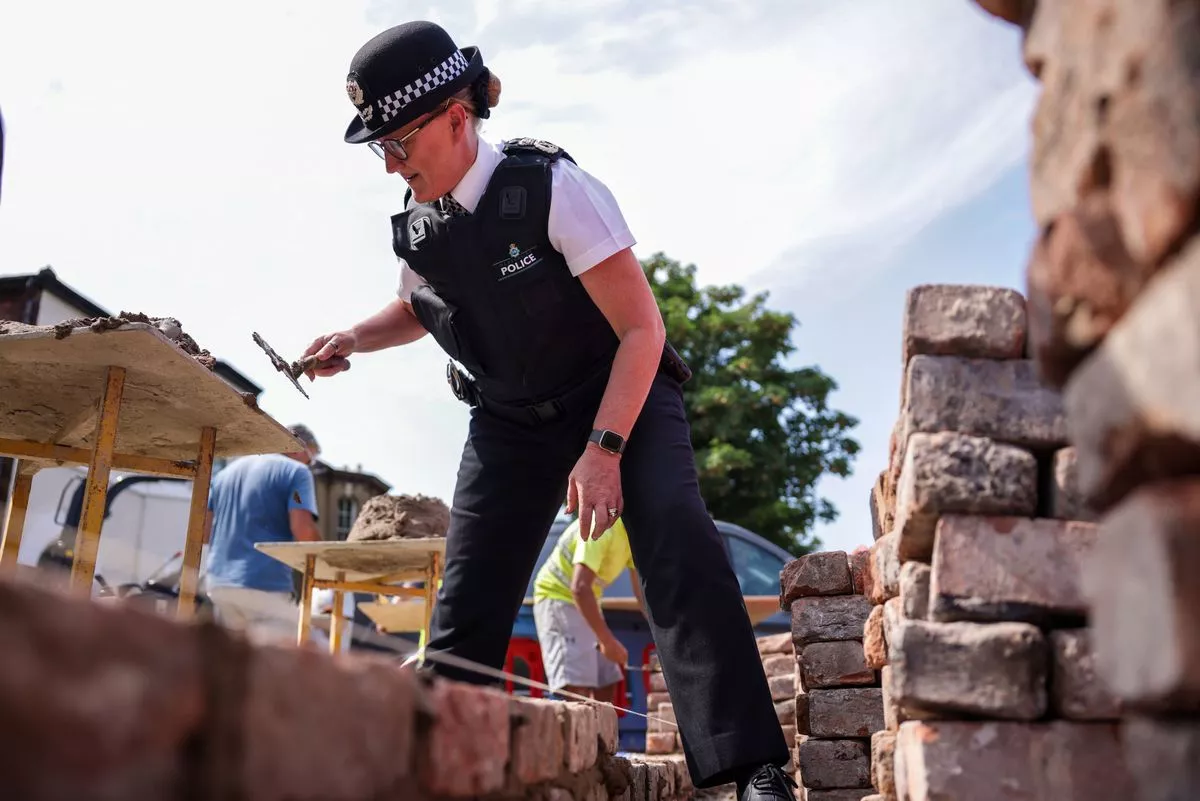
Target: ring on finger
x: 613, y: 512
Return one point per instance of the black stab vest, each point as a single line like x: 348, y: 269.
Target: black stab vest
x: 499, y: 298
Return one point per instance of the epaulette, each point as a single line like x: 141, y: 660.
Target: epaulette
x: 528, y: 144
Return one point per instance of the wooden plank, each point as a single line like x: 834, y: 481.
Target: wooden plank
x: 49, y: 453
x: 304, y: 624
x: 400, y: 560
x: 397, y: 618
x: 169, y: 397
x: 189, y: 575
x: 95, y: 494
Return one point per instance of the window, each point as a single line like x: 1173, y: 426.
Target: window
x: 347, y: 512
x: 757, y: 569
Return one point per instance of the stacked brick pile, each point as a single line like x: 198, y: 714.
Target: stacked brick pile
x: 779, y: 664
x: 980, y: 622
x: 108, y: 703
x: 1114, y: 298
x: 838, y: 702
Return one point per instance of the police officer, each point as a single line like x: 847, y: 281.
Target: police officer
x: 518, y: 263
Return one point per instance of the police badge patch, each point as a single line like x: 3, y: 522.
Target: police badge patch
x: 354, y: 91
x: 513, y: 250
x: 417, y: 230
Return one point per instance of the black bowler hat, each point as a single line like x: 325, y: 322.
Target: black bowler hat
x: 405, y: 72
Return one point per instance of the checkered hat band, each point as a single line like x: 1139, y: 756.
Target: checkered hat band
x: 443, y: 73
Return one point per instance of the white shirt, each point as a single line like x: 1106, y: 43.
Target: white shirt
x: 585, y: 223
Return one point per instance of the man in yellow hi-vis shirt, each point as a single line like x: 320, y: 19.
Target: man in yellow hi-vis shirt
x: 579, y: 652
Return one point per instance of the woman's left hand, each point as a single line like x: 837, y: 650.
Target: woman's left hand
x: 594, y: 488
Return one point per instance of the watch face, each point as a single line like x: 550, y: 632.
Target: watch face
x: 610, y: 441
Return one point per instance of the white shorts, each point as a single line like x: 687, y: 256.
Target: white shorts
x: 569, y: 652
x: 265, y: 617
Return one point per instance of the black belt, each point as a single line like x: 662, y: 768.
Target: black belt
x: 467, y: 391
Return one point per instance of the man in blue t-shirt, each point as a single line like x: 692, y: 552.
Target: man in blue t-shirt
x: 266, y: 498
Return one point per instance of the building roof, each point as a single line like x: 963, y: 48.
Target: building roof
x: 353, y: 476
x: 47, y: 281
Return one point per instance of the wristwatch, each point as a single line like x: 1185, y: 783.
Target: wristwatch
x: 611, y: 441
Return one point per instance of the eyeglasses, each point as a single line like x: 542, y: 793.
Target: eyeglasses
x: 381, y: 147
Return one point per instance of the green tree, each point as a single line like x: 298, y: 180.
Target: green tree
x: 763, y: 432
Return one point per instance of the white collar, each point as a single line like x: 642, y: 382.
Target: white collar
x: 472, y: 186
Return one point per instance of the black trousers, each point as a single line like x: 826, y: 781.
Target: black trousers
x: 511, y: 483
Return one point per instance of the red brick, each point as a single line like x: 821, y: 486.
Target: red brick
x: 843, y: 713
x: 537, y: 741
x: 1143, y: 583
x: 828, y: 619
x: 779, y: 665
x: 1009, y: 568
x: 1004, y: 401
x: 1081, y: 280
x: 1135, y: 404
x: 834, y: 764
x: 860, y: 566
x: 1066, y: 501
x: 465, y: 751
x: 580, y: 735
x: 609, y: 728
x: 815, y: 574
x: 96, y: 702
x: 883, y: 753
x: 992, y: 760
x: 660, y: 742
x: 785, y: 711
x: 658, y: 683
x: 884, y: 564
x: 656, y: 699
x: 1076, y: 692
x: 789, y: 734
x: 874, y: 642
x: 1116, y: 116
x: 963, y: 320
x: 775, y: 644
x: 877, y: 507
x: 914, y: 589
x: 995, y: 670
x: 893, y: 716
x: 1164, y: 757
x: 951, y: 473
x: 782, y: 687
x: 666, y: 714
x: 893, y: 616
x: 834, y: 664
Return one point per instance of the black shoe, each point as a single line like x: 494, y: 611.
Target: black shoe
x: 768, y: 783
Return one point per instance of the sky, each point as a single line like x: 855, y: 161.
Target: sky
x: 187, y: 161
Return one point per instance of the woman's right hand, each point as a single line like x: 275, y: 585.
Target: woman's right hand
x: 331, y: 351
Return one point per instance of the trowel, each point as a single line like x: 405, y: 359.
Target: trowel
x: 293, y: 370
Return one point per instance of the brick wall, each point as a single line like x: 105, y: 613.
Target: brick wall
x: 107, y: 703
x: 980, y: 622
x: 1114, y: 299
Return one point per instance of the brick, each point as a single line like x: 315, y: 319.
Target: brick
x: 893, y: 616
x: 834, y: 664
x: 638, y: 777
x: 1066, y: 501
x: 775, y: 644
x: 782, y: 687
x: 914, y: 589
x: 878, y: 506
x: 982, y: 322
x: 950, y: 473
x: 828, y: 619
x: 994, y: 670
x: 665, y: 713
x: 1002, y: 401
x: 1076, y: 692
x: 883, y: 752
x: 843, y: 713
x: 1081, y: 280
x: 609, y: 728
x: 537, y: 741
x: 1003, y: 760
x: 658, y: 683
x: 97, y: 697
x: 464, y: 753
x: 1135, y: 404
x: 859, y: 561
x: 785, y: 711
x: 1143, y: 585
x: 660, y: 742
x: 885, y: 568
x: 656, y: 699
x: 789, y: 734
x: 1009, y: 568
x: 874, y: 642
x: 580, y: 736
x: 1126, y: 132
x: 779, y: 665
x: 1163, y: 757
x: 834, y: 764
x: 825, y: 573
